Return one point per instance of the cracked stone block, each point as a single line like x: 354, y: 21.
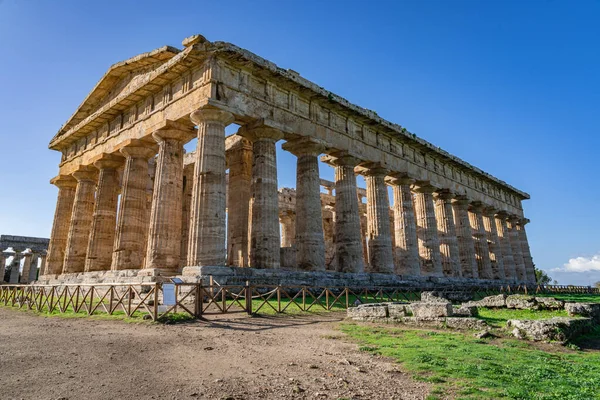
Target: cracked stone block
x: 464, y: 311
x: 550, y: 303
x: 498, y: 301
x: 521, y: 302
x: 559, y: 329
x: 368, y: 311
x: 591, y: 310
x: 465, y: 323
x: 431, y: 310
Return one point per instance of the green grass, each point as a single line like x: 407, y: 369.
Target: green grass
x: 470, y: 368
x: 580, y: 298
x: 498, y: 317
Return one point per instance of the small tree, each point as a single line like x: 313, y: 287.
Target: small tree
x: 541, y: 277
x: 597, y: 285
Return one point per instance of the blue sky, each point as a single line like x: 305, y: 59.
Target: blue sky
x: 512, y: 87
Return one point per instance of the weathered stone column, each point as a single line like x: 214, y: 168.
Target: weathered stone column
x: 238, y: 203
x: 130, y: 239
x: 27, y: 256
x: 207, y: 226
x: 81, y: 220
x: 447, y: 234
x: 15, y: 265
x: 42, y: 264
x: 527, y: 259
x: 482, y: 251
x: 427, y: 233
x: 310, y: 241
x: 464, y: 235
x: 381, y: 257
x: 102, y: 234
x: 164, y: 232
x: 3, y: 266
x: 515, y: 243
x: 62, y: 220
x: 329, y: 236
x: 348, y: 240
x: 496, y: 258
x: 264, y: 203
x: 406, y: 245
x: 510, y: 273
x: 188, y: 183
x: 33, y: 269
x: 288, y: 229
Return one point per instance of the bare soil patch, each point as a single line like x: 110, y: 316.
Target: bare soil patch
x: 228, y: 357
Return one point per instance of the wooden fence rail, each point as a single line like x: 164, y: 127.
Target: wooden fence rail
x: 195, y: 300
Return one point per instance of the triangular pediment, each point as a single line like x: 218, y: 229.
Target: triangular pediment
x: 118, y: 79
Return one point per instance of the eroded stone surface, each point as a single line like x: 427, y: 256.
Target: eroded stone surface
x: 560, y: 329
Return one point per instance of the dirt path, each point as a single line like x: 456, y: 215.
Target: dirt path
x: 227, y: 358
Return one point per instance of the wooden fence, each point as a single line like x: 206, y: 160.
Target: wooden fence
x: 158, y: 301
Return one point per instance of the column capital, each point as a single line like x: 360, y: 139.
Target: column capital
x: 490, y: 211
x: 476, y: 207
x: 169, y: 129
x: 237, y: 142
x: 423, y: 187
x: 64, y: 181
x: 138, y: 149
x: 257, y: 130
x: 341, y: 159
x: 399, y: 178
x: 211, y: 114
x: 524, y: 221
x: 371, y: 169
x: 304, y: 146
x: 461, y: 201
x: 502, y: 214
x: 86, y: 173
x: 108, y: 161
x: 27, y: 252
x: 513, y: 219
x: 444, y: 194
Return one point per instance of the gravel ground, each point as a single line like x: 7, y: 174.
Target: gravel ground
x: 228, y: 357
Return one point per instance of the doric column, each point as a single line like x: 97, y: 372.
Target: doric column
x: 3, y: 266
x: 347, y: 228
x: 132, y: 225
x: 238, y: 203
x: 406, y: 245
x: 427, y: 231
x: 482, y: 251
x: 527, y: 259
x: 186, y: 204
x: 464, y: 234
x: 264, y: 203
x: 329, y: 236
x: 510, y: 273
x: 496, y: 258
x: 164, y: 232
x: 81, y: 220
x: 515, y: 243
x: 27, y: 255
x: 381, y: 257
x: 310, y: 241
x: 102, y: 233
x: 33, y: 269
x: 288, y: 229
x: 62, y: 220
x: 42, y: 264
x: 207, y: 227
x: 447, y: 234
x: 14, y: 266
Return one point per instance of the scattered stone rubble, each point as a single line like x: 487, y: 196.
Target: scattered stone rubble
x: 557, y: 329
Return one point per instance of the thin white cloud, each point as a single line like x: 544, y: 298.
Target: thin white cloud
x: 581, y: 264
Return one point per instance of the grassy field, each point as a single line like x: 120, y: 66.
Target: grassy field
x: 458, y: 364
x: 580, y: 298
x: 498, y: 317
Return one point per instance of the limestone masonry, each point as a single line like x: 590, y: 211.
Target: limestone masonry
x: 130, y: 201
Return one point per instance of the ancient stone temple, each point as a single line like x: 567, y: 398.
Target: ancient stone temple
x: 133, y: 204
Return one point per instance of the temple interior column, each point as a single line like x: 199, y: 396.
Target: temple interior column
x: 310, y: 240
x: 378, y: 222
x: 464, y: 235
x: 329, y: 219
x: 447, y: 233
x: 208, y: 219
x: 348, y: 241
x: 81, y: 220
x: 406, y: 245
x: 287, y: 220
x: 527, y: 259
x: 517, y: 249
x: 238, y: 202
x: 265, y: 240
x: 510, y: 273
x: 186, y: 204
x: 427, y: 231
x: 482, y: 251
x: 62, y: 220
x: 496, y: 258
x: 102, y: 233
x: 3, y: 266
x: 164, y: 232
x: 14, y: 267
x: 132, y: 223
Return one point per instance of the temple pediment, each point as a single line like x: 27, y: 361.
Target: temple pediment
x: 118, y: 79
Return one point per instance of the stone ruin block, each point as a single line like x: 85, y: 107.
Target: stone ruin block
x: 368, y: 311
x: 591, y: 310
x: 464, y: 311
x: 498, y: 301
x: 398, y: 309
x: 522, y: 302
x: 431, y: 310
x: 559, y: 329
x: 433, y: 297
x: 550, y: 303
x: 465, y: 323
